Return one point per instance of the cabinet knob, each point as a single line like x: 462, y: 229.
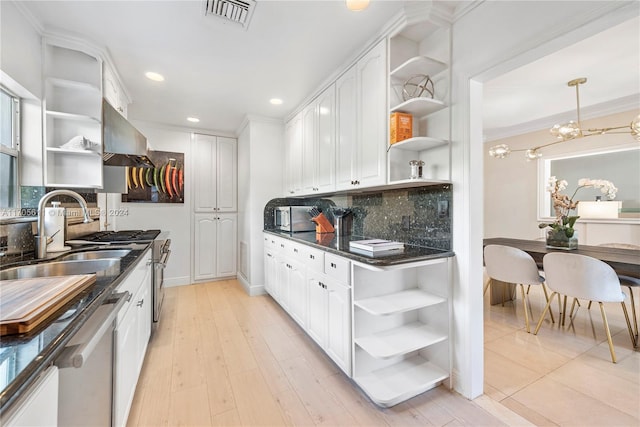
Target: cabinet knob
x: 140, y: 303
x: 312, y: 256
x: 295, y: 250
x: 333, y: 265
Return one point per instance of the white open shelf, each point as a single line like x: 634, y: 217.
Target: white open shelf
x: 418, y: 143
x: 70, y: 116
x: 418, y: 65
x: 400, y: 302
x: 401, y: 381
x: 74, y: 152
x: 399, y: 341
x: 72, y: 84
x: 420, y: 106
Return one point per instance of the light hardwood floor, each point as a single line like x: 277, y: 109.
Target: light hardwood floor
x: 221, y: 358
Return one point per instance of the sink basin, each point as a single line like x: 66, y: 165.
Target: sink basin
x: 102, y: 267
x: 109, y: 253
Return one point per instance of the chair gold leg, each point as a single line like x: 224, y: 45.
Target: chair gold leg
x: 546, y: 307
x: 589, y: 306
x: 626, y: 317
x: 633, y: 313
x: 564, y: 309
x: 573, y: 306
x: 486, y: 286
x: 546, y: 297
x: 608, y: 332
x: 526, y: 312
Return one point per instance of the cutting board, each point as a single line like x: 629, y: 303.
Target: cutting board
x: 26, y: 303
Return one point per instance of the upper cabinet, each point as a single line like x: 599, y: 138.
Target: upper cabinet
x: 113, y: 92
x: 293, y: 156
x: 419, y: 83
x: 72, y: 117
x: 215, y: 174
x: 361, y: 125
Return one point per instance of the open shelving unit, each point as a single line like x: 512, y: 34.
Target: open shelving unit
x: 401, y: 329
x: 72, y: 107
x: 421, y: 49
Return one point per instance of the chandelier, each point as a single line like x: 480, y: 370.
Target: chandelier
x: 569, y: 131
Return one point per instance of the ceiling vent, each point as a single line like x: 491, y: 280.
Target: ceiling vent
x: 237, y: 11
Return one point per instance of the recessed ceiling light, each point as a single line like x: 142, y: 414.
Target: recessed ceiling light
x: 193, y: 119
x: 154, y: 76
x: 276, y: 101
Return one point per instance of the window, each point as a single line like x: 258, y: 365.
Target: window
x: 9, y: 149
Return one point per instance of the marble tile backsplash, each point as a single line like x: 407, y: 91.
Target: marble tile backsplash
x: 418, y: 216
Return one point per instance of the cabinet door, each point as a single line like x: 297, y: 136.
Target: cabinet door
x: 309, y: 148
x: 226, y: 245
x: 339, y: 325
x: 39, y: 404
x: 373, y: 118
x: 346, y: 116
x: 204, y: 253
x: 317, y: 325
x: 326, y: 141
x: 270, y: 273
x: 144, y: 307
x: 293, y: 152
x: 227, y: 175
x: 298, y: 293
x: 125, y: 371
x: 204, y: 173
x: 282, y: 280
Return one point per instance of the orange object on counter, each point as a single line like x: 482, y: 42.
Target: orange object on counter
x: 322, y: 224
x: 401, y: 127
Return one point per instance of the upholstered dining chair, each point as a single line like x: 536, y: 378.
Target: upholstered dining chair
x: 513, y: 265
x: 584, y: 277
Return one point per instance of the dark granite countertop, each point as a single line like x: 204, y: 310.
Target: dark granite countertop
x: 24, y: 356
x: 339, y: 245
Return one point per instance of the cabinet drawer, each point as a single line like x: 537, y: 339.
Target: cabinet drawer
x: 337, y: 268
x: 314, y: 259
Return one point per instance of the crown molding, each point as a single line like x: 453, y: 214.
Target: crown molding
x: 620, y: 105
x: 31, y: 19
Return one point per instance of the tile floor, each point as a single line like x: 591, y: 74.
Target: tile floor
x: 564, y: 375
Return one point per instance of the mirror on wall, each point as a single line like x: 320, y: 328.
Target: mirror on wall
x: 621, y: 166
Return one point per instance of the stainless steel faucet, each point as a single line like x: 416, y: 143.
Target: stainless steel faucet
x: 41, y: 240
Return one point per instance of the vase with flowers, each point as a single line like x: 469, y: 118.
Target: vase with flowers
x: 561, y: 234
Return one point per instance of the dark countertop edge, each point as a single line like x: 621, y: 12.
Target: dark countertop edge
x: 378, y: 262
x: 46, y: 357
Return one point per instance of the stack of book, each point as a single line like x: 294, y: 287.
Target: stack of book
x: 376, y: 247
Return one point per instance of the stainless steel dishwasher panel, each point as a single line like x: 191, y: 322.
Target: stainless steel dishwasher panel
x: 86, y: 370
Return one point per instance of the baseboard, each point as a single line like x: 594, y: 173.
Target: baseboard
x: 252, y: 291
x: 177, y: 281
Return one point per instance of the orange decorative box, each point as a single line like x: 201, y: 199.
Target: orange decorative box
x: 401, y: 127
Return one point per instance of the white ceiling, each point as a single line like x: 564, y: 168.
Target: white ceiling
x: 216, y: 70
x: 536, y: 95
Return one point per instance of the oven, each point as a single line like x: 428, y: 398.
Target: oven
x: 160, y: 252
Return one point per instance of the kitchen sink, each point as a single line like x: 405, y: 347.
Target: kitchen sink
x: 91, y: 255
x: 102, y: 267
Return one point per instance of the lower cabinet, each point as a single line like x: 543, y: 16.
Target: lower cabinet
x: 321, y: 304
x: 38, y: 406
x: 215, y: 245
x: 133, y: 330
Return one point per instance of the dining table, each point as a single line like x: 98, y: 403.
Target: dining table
x: 625, y: 262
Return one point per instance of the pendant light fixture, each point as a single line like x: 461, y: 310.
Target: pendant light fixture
x: 569, y: 131
x: 357, y: 5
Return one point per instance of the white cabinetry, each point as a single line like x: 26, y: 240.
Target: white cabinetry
x: 113, y: 91
x: 293, y: 156
x: 318, y: 142
x: 72, y: 108
x: 132, y: 336
x: 361, y: 122
x: 421, y: 49
x: 214, y: 245
x: 312, y: 287
x: 401, y: 323
x: 38, y: 406
x: 215, y: 174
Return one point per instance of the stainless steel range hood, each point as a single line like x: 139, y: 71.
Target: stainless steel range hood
x: 124, y: 145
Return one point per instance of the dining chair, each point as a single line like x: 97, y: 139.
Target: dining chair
x: 584, y: 277
x: 513, y: 265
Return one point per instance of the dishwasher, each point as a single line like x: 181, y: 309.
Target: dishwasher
x: 86, y: 369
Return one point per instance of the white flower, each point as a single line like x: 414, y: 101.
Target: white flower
x: 562, y: 185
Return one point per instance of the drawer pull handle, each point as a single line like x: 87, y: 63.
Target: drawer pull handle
x: 140, y: 303
x: 281, y: 245
x: 312, y: 257
x: 333, y: 265
x: 295, y: 250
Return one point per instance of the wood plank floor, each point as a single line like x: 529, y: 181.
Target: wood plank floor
x: 222, y: 358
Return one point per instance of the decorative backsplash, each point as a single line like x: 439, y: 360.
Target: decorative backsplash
x: 418, y: 216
